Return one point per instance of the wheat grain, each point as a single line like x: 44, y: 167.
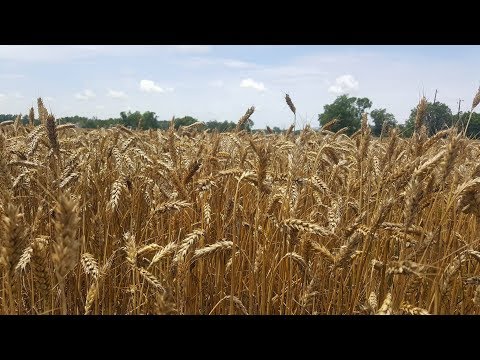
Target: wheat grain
x: 386, y: 308
x: 169, y: 249
x: 172, y: 205
x: 297, y: 224
x: 372, y: 302
x: 412, y: 310
x: 223, y: 245
x: 290, y: 104
x: 186, y: 244
x: 89, y: 265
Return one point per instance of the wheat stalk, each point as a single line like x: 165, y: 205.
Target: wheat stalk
x: 223, y: 245
x: 297, y: 224
x: 244, y: 118
x: 186, y: 244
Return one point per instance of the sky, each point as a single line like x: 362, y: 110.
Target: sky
x: 222, y: 82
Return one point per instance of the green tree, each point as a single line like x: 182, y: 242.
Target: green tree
x: 438, y: 116
x: 130, y: 119
x: 224, y: 126
x: 81, y: 121
x: 380, y: 117
x: 149, y: 120
x: 185, y: 121
x: 402, y: 129
x: 347, y: 110
x: 248, y: 125
x: 164, y: 124
x: 473, y: 130
x: 7, y: 117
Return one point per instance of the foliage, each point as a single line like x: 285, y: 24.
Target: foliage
x: 347, y: 110
x: 380, y: 117
x: 438, y: 117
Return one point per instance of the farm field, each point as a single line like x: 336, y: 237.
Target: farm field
x: 119, y: 221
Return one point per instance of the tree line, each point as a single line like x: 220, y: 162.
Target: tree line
x: 347, y: 110
x: 137, y: 120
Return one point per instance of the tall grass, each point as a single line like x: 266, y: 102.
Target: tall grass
x: 114, y: 221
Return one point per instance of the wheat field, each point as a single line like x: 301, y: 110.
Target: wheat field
x: 115, y: 221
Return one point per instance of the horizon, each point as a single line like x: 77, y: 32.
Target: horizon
x: 221, y: 82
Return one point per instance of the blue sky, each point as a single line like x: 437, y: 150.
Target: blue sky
x: 221, y: 82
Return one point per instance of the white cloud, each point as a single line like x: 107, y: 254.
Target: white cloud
x: 100, y: 107
x: 40, y: 53
x: 216, y: 83
x: 89, y: 47
x: 85, y: 95
x: 11, y: 76
x: 198, y: 61
x: 116, y: 94
x: 344, y: 84
x: 237, y: 64
x: 250, y: 83
x: 305, y: 72
x: 150, y: 86
x: 292, y: 74
x: 12, y: 95
x: 192, y: 48
x: 169, y: 89
x: 67, y: 53
x: 17, y: 95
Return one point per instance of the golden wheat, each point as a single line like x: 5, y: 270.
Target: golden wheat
x: 119, y: 221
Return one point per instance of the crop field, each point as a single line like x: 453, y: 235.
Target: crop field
x: 119, y: 221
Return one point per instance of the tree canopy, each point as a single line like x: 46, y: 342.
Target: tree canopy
x: 347, y: 110
x: 473, y: 130
x: 138, y: 120
x: 381, y: 117
x: 438, y: 116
